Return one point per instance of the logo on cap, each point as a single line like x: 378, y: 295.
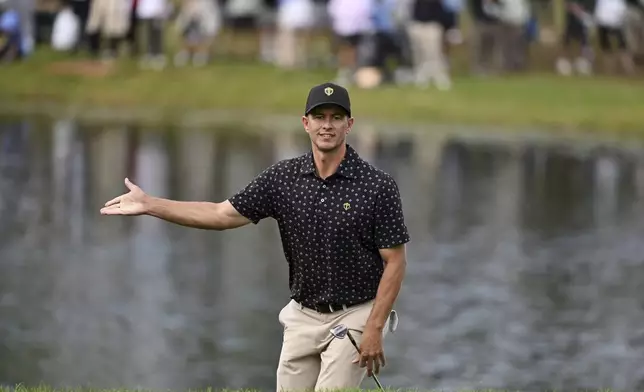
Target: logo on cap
x: 328, y: 90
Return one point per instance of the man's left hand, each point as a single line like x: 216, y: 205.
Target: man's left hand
x: 371, y: 353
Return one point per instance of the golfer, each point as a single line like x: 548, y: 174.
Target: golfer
x: 343, y: 235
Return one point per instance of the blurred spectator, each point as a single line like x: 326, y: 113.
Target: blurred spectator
x: 388, y: 40
x: 10, y: 33
x: 109, y: 20
x: 634, y: 27
x: 243, y: 18
x: 66, y: 30
x: 295, y: 22
x: 26, y: 11
x: 198, y: 23
x: 132, y: 35
x: 487, y: 38
x: 267, y: 26
x: 426, y: 35
x: 576, y: 34
x: 351, y: 21
x: 152, y: 15
x: 451, y: 18
x: 513, y: 17
x: 81, y: 10
x: 610, y: 16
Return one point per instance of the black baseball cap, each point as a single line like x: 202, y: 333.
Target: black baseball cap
x: 328, y: 93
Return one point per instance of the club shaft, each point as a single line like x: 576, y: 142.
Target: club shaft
x: 358, y: 349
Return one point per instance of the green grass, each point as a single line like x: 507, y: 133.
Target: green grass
x: 538, y: 99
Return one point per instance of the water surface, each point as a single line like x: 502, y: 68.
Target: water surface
x: 525, y: 266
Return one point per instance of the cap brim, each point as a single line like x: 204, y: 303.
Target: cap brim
x: 317, y: 105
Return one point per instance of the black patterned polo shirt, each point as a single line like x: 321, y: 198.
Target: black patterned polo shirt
x: 331, y: 229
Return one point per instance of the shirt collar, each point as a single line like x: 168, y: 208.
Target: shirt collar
x: 346, y: 169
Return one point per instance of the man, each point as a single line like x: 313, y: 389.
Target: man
x: 109, y: 20
x: 10, y: 34
x: 576, y: 39
x: 487, y: 38
x: 610, y: 17
x: 343, y: 235
x: 351, y: 23
x: 426, y: 35
x: 198, y: 22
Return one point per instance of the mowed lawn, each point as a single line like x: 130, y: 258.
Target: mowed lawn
x: 538, y: 99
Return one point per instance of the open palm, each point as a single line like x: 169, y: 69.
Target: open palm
x: 131, y: 203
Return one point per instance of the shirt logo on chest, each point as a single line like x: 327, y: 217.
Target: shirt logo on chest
x: 346, y: 206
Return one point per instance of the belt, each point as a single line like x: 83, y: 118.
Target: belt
x: 327, y: 308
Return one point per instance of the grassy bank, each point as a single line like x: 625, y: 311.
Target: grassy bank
x: 534, y: 100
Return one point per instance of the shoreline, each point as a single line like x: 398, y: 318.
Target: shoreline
x: 238, y: 92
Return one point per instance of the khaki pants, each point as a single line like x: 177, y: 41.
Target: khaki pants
x: 429, y: 60
x: 292, y: 48
x: 486, y: 47
x: 109, y: 17
x: 311, y: 359
x: 634, y: 30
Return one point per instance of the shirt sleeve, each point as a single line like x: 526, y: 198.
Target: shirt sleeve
x: 390, y: 227
x: 255, y: 201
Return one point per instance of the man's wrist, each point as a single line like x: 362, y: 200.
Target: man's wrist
x: 375, y: 326
x: 149, y: 203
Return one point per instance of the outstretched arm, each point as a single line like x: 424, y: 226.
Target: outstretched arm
x: 196, y: 214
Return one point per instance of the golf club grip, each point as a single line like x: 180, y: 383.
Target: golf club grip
x: 353, y: 341
x: 358, y: 349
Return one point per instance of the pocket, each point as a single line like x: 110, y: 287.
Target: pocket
x: 282, y: 314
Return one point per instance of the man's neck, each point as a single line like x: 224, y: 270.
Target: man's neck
x: 327, y: 163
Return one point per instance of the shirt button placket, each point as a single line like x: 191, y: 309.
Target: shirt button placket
x: 328, y: 229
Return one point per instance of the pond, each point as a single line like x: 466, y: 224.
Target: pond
x: 524, y: 271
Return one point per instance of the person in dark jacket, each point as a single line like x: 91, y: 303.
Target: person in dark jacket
x: 575, y: 43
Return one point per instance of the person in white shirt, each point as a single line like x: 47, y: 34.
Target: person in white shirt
x: 610, y: 16
x: 351, y: 21
x: 295, y: 21
x: 514, y: 16
x: 152, y: 15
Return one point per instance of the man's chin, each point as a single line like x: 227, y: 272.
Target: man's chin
x: 327, y: 146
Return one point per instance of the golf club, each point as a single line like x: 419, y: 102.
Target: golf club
x: 340, y: 331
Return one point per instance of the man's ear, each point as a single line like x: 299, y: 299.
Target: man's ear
x: 350, y: 121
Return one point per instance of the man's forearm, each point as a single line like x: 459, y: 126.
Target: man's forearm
x: 388, y: 290
x: 196, y: 214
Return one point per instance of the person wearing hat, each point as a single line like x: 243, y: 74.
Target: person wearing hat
x: 343, y: 234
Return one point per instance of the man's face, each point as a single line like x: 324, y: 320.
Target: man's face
x: 327, y: 126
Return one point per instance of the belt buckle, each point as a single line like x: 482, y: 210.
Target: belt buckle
x: 326, y: 308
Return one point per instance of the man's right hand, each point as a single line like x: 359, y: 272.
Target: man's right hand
x: 131, y: 203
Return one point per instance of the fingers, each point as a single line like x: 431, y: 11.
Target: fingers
x: 372, y: 362
x: 113, y: 201
x: 370, y: 366
x: 112, y: 210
